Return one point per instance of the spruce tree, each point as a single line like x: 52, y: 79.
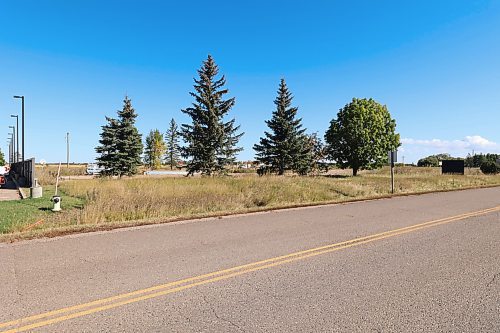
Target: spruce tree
x: 108, y: 151
x: 211, y: 142
x: 154, y: 150
x: 129, y: 141
x: 121, y: 144
x: 285, y: 147
x: 172, y: 142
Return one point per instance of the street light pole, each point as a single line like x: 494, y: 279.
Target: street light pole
x: 13, y: 143
x: 22, y: 123
x: 17, y: 135
x: 10, y: 151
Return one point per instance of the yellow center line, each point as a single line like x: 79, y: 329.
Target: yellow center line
x: 156, y: 291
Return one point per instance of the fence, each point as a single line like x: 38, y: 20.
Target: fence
x: 24, y: 172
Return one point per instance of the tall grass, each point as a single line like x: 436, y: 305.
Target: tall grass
x: 47, y: 174
x: 160, y: 199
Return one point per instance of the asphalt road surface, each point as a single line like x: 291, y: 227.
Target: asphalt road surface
x: 428, y: 263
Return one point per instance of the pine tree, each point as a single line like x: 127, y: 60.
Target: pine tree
x: 173, y: 147
x: 154, y: 150
x: 2, y: 158
x: 121, y: 144
x: 108, y: 148
x: 129, y: 140
x: 286, y: 146
x: 211, y: 141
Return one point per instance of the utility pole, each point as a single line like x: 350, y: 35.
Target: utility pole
x: 67, y: 150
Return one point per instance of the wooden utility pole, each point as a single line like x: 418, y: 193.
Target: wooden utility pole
x: 67, y: 150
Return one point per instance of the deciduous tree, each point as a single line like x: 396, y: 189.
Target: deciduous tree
x: 361, y: 135
x: 154, y: 150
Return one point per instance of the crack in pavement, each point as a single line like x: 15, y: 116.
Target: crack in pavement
x: 492, y: 280
x: 219, y: 317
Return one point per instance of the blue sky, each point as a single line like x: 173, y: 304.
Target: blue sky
x: 435, y: 64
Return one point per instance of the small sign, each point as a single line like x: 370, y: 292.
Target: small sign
x: 393, y: 156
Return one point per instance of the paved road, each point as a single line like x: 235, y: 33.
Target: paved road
x: 8, y: 191
x: 428, y: 263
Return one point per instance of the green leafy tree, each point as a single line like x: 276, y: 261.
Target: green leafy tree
x: 154, y: 150
x: 285, y: 146
x: 211, y: 141
x: 2, y: 158
x: 361, y: 135
x: 318, y: 153
x: 172, y: 142
x: 121, y: 144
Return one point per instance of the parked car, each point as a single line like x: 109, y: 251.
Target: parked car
x: 94, y: 169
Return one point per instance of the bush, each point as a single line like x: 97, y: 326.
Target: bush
x: 490, y: 167
x: 429, y: 161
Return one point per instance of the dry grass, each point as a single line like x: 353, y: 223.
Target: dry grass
x: 112, y: 200
x: 47, y: 174
x: 110, y: 203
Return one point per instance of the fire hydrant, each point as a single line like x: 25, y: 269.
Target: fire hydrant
x: 57, y: 203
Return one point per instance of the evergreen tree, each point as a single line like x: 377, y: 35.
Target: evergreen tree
x: 211, y: 142
x: 172, y: 142
x: 2, y: 158
x: 121, y: 144
x: 286, y: 146
x: 108, y: 158
x: 155, y: 149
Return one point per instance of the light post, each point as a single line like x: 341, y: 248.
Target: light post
x: 17, y: 135
x: 22, y: 122
x: 13, y: 143
x: 10, y: 150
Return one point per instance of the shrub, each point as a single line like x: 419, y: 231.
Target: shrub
x: 490, y: 167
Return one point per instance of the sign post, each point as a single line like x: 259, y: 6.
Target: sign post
x: 393, y: 157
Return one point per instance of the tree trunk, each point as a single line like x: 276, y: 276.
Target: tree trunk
x: 355, y: 171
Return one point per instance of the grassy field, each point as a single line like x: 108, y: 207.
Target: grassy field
x: 19, y: 215
x: 105, y: 203
x: 47, y: 174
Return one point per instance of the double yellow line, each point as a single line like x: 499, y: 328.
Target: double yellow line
x: 56, y: 316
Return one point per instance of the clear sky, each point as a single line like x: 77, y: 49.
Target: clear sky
x: 435, y: 64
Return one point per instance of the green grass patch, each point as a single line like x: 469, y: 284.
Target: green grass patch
x: 19, y: 214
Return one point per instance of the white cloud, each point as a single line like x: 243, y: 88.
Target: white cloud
x: 472, y: 142
x: 415, y: 149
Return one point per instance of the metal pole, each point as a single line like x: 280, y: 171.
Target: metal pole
x: 16, y: 153
x: 392, y: 174
x: 22, y: 122
x: 13, y: 143
x: 22, y: 98
x: 10, y: 152
x: 17, y: 139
